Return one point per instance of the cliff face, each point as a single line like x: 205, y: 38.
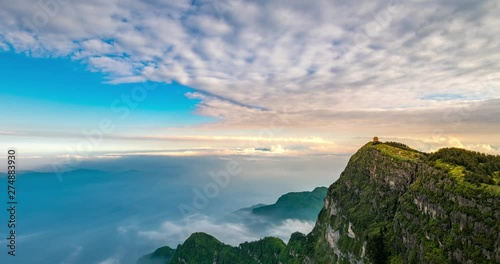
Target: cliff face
x: 359, y: 208
x: 441, y: 219
x: 392, y: 205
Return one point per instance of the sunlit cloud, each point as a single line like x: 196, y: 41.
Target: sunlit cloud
x: 312, y: 73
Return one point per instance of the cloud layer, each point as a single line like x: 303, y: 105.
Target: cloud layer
x: 331, y: 65
x: 172, y: 233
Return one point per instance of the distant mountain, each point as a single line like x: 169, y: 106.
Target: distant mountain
x: 392, y: 204
x: 160, y: 256
x: 295, y: 205
x: 303, y: 206
x: 249, y: 209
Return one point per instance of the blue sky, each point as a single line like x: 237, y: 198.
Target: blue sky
x: 250, y: 77
x: 52, y: 90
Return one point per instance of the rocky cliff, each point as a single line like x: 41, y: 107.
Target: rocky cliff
x: 393, y: 204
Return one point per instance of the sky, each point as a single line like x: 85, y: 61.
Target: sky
x: 134, y: 104
x: 106, y: 79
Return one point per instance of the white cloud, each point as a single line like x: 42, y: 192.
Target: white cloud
x: 4, y: 46
x: 128, y: 79
x: 110, y: 260
x: 208, y: 25
x: 290, y: 226
x: 73, y: 256
x: 277, y: 149
x: 172, y: 233
x: 107, y: 64
x: 333, y: 62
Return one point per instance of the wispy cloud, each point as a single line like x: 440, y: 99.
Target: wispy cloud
x: 73, y: 256
x: 290, y: 226
x: 110, y: 260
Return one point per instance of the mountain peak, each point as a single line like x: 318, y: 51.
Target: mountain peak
x: 202, y: 237
x: 396, y: 204
x: 391, y: 204
x: 395, y: 150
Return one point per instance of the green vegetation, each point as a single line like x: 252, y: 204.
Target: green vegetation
x: 399, y: 145
x: 266, y: 250
x: 453, y: 170
x: 392, y: 204
x: 201, y: 248
x: 208, y: 250
x: 409, y: 207
x: 399, y: 151
x: 295, y: 250
x: 376, y: 247
x: 296, y: 205
x: 478, y: 167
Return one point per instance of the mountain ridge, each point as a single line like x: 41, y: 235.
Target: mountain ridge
x: 293, y: 205
x: 394, y: 204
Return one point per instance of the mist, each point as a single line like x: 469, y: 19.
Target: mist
x: 116, y: 210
